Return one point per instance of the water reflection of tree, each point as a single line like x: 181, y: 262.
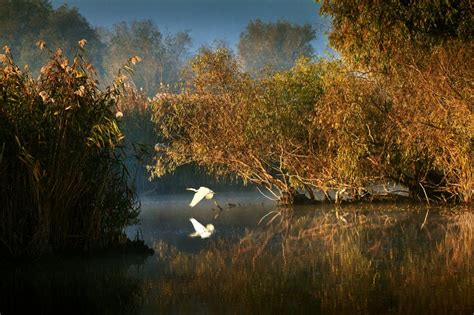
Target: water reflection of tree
x: 371, y: 262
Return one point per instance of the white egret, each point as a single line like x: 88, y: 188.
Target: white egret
x: 200, y: 194
x: 201, y: 230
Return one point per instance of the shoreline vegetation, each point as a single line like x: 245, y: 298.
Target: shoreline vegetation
x: 322, y: 126
x: 63, y: 183
x: 389, y: 110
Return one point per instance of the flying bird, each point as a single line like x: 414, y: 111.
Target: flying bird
x: 201, y: 230
x: 200, y: 194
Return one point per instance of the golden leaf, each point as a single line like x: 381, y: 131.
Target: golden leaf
x: 41, y: 44
x: 44, y: 96
x: 135, y: 59
x: 64, y: 63
x: 44, y: 69
x: 90, y: 67
x: 82, y: 42
x: 80, y: 91
x: 121, y: 77
x: 3, y: 58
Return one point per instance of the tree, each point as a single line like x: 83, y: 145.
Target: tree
x: 162, y: 55
x: 66, y: 27
x: 161, y: 58
x: 25, y: 22
x: 376, y: 35
x: 274, y: 45
x: 232, y: 124
x: 326, y: 126
x: 21, y: 19
x: 418, y: 54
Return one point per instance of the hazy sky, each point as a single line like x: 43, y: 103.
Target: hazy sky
x: 206, y: 19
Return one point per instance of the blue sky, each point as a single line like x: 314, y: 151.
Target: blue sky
x: 206, y: 20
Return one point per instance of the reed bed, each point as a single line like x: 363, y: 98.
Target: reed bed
x: 63, y: 185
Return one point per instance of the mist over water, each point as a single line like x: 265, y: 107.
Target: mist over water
x: 367, y: 258
x: 166, y: 217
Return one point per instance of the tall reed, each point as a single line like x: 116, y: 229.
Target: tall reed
x: 62, y: 182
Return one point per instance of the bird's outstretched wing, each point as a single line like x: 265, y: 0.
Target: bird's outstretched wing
x: 198, y: 196
x: 198, y: 226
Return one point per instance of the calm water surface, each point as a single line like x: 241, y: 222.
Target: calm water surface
x: 358, y: 259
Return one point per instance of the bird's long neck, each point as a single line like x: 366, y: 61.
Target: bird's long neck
x: 192, y: 189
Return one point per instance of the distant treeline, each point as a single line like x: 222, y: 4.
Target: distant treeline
x: 24, y: 22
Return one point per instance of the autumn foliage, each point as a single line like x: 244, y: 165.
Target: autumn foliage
x: 401, y: 114
x: 62, y: 184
